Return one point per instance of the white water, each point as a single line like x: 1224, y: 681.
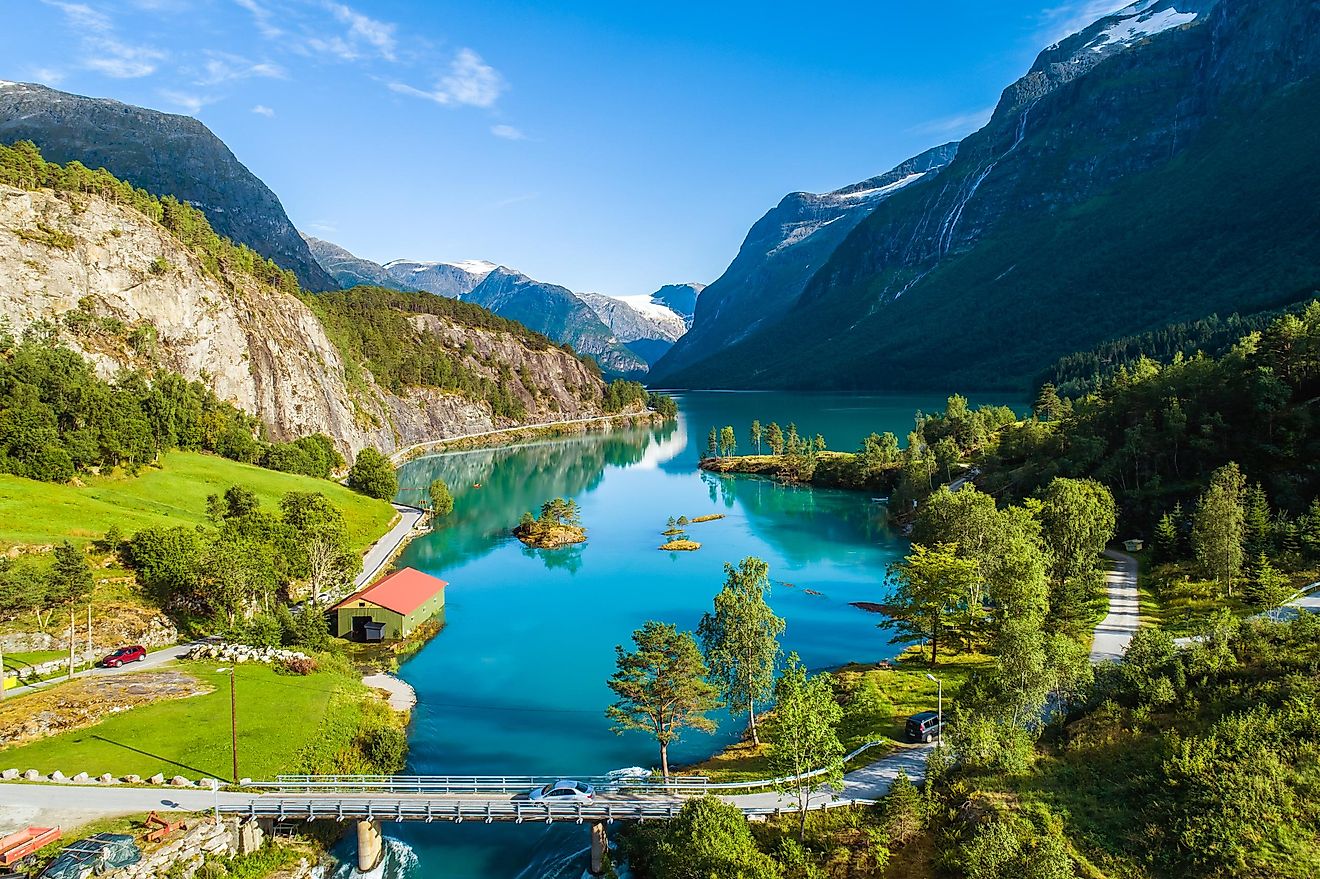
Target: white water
x: 951, y: 221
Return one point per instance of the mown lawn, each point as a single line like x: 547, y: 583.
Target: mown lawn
x: 877, y: 703
x: 279, y: 719
x: 171, y: 494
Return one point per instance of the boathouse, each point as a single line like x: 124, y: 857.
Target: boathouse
x: 391, y: 608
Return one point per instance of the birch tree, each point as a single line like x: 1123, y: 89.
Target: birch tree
x: 741, y: 638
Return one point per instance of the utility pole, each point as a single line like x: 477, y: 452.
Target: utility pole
x: 89, y: 633
x: 939, y: 720
x: 72, y: 634
x: 233, y: 719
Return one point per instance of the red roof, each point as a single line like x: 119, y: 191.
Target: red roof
x: 402, y: 592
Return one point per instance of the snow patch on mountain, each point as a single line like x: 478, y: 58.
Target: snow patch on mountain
x: 654, y: 310
x: 1135, y: 23
x: 879, y: 190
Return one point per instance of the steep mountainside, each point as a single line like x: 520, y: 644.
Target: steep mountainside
x: 122, y: 289
x: 779, y: 256
x: 164, y: 154
x: 349, y: 270
x: 648, y: 330
x: 1149, y: 170
x: 558, y: 313
x: 441, y: 278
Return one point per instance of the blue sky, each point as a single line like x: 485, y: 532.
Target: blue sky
x: 605, y: 146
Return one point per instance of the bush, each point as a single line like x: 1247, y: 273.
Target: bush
x: 386, y: 747
x: 297, y: 665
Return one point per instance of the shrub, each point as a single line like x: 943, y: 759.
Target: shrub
x: 297, y: 665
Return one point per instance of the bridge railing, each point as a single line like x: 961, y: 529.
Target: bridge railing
x: 515, y: 784
x: 460, y: 784
x: 298, y: 809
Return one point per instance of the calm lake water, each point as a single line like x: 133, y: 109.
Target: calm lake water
x: 515, y: 683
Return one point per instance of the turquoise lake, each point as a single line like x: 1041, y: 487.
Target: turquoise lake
x: 515, y: 682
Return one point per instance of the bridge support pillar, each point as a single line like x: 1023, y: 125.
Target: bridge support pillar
x: 370, y: 846
x: 599, y: 845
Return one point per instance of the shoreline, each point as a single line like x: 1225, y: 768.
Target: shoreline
x: 512, y: 435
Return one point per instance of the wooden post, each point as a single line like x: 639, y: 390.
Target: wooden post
x: 90, y: 649
x: 599, y: 845
x: 4, y: 675
x: 233, y: 722
x: 72, y: 634
x: 370, y: 846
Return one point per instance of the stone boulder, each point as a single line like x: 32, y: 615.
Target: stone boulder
x: 32, y: 775
x: 10, y: 775
x: 158, y: 778
x: 180, y: 781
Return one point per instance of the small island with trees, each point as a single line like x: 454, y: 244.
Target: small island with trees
x: 559, y: 524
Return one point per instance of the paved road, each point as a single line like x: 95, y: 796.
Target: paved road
x: 1115, y: 631
x: 865, y: 785
x: 155, y: 659
x: 23, y: 804
x: 382, y: 549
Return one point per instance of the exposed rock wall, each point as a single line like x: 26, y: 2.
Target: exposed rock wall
x: 261, y: 349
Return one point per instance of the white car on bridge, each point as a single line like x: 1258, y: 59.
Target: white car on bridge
x: 563, y: 791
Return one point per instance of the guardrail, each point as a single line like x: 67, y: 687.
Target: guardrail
x: 458, y: 811
x: 432, y: 785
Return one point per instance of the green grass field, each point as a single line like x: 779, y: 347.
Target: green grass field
x: 878, y: 703
x: 279, y: 716
x: 169, y: 495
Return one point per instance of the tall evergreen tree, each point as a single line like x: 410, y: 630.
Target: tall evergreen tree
x: 661, y: 687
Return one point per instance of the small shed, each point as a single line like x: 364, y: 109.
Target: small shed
x: 391, y: 608
x: 1133, y: 545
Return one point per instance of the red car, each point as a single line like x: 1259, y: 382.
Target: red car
x: 123, y: 655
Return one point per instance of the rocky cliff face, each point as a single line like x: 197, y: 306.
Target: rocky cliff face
x: 141, y: 299
x: 164, y: 154
x: 780, y: 254
x: 1146, y: 170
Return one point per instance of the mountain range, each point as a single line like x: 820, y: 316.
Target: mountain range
x: 624, y: 335
x: 1147, y: 170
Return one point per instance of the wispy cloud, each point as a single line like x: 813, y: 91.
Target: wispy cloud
x: 958, y: 124
x: 263, y: 110
x: 470, y: 82
x: 102, y: 50
x: 82, y: 16
x: 46, y: 75
x: 324, y: 227
x: 191, y: 103
x: 222, y: 67
x: 507, y: 132
x: 120, y: 60
x: 1058, y: 22
x: 362, y: 29
x: 263, y: 18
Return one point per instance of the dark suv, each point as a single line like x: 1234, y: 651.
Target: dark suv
x: 923, y: 727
